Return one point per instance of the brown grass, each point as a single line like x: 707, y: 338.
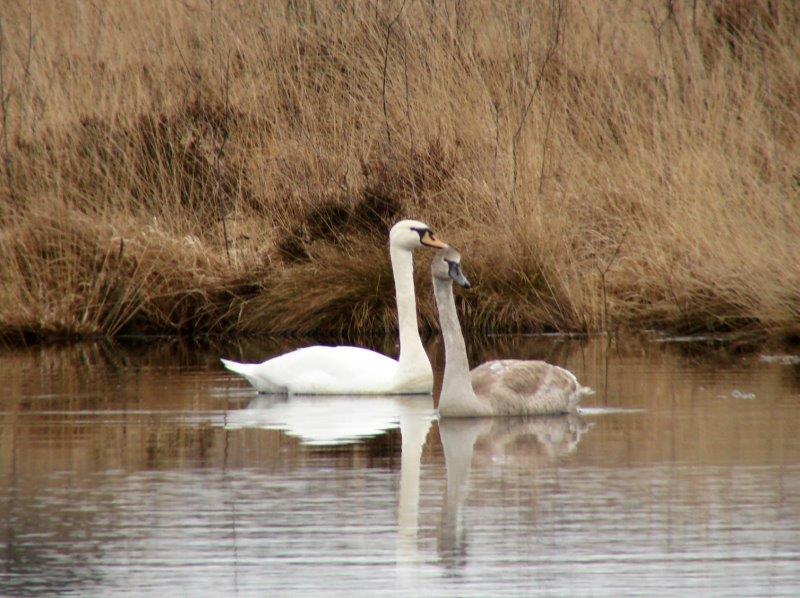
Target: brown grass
x: 234, y: 166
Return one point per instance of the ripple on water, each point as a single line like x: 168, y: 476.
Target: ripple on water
x: 154, y: 481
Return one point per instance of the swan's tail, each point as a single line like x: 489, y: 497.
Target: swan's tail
x: 255, y: 375
x: 582, y: 391
x: 243, y: 369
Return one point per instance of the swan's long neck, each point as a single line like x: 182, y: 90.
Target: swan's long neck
x: 414, y: 361
x: 457, y: 397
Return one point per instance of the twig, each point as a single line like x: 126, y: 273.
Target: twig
x: 544, y: 148
x: 385, y: 68
x: 219, y: 149
x: 672, y: 15
x: 218, y: 155
x: 30, y: 45
x: 495, y: 104
x: 603, y: 273
x: 557, y: 20
x: 408, y: 98
x: 9, y: 170
x: 658, y: 31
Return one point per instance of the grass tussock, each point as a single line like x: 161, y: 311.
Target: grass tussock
x: 234, y: 167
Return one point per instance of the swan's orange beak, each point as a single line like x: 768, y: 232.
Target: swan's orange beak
x: 429, y: 240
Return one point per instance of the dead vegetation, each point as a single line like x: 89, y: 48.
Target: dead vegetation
x: 234, y: 167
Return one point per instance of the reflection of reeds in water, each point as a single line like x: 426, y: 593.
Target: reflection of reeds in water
x: 689, y: 410
x: 98, y: 378
x: 186, y: 171
x: 69, y: 413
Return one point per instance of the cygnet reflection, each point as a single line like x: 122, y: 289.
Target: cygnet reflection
x: 499, y: 440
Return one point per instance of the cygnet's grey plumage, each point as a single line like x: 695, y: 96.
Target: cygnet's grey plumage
x: 495, y: 388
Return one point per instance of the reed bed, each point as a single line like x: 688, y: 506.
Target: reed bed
x: 233, y: 167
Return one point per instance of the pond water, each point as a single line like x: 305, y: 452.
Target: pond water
x: 147, y: 469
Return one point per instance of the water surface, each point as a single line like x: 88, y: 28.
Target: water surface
x: 148, y: 470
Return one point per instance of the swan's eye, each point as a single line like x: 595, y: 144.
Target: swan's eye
x: 422, y: 232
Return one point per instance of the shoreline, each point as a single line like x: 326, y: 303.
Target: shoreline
x: 236, y: 169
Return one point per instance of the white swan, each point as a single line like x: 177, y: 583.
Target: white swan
x: 495, y: 388
x: 353, y: 370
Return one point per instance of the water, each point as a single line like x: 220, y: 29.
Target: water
x: 148, y: 470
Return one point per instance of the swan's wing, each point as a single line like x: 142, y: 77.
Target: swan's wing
x: 517, y: 387
x: 514, y: 375
x: 321, y: 369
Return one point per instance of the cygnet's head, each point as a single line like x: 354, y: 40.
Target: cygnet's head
x: 446, y: 266
x: 413, y: 234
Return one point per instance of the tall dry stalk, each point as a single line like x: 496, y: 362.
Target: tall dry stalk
x: 248, y: 158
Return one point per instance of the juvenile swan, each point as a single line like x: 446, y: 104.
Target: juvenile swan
x: 353, y: 370
x: 495, y: 388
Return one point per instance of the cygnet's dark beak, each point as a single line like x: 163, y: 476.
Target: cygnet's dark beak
x: 458, y: 276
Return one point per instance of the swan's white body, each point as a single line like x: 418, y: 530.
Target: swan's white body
x: 327, y: 370
x: 495, y: 388
x: 353, y: 370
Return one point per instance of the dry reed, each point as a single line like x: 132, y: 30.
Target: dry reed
x: 234, y: 167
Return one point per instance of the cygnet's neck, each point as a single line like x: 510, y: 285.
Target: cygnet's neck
x: 457, y: 397
x: 413, y: 359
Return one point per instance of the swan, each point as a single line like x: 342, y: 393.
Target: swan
x: 353, y: 370
x: 495, y: 388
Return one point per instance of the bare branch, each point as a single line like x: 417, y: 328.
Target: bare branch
x: 4, y: 97
x: 408, y: 94
x: 496, y: 115
x: 558, y: 17
x: 220, y: 147
x: 544, y: 147
x: 385, y: 68
x: 29, y: 51
x: 604, y: 271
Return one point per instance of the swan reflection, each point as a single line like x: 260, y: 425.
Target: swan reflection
x: 329, y: 420
x: 498, y: 439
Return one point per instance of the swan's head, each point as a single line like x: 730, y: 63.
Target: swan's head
x: 413, y: 234
x: 446, y: 266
